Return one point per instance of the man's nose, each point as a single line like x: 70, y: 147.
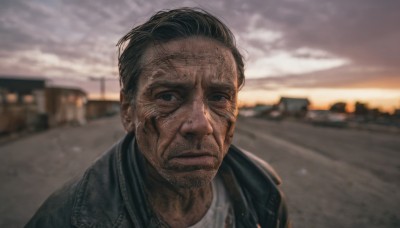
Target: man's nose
x: 197, y: 123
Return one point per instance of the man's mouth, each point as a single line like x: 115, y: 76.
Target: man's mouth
x: 198, y: 159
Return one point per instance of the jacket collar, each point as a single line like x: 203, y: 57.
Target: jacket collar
x: 254, y: 198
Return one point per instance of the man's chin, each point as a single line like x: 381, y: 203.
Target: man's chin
x: 193, y: 179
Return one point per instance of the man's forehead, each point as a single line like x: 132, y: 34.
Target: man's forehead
x: 182, y: 75
x: 160, y: 57
x: 186, y: 49
x: 183, y: 59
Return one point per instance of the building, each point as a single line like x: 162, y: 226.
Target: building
x: 22, y: 104
x: 29, y: 104
x: 396, y: 113
x: 65, y: 105
x: 293, y: 106
x: 100, y: 108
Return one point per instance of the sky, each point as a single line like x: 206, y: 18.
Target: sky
x: 326, y: 50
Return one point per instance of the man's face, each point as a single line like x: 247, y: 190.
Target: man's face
x: 185, y: 109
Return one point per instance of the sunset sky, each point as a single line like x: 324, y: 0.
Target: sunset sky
x: 326, y: 50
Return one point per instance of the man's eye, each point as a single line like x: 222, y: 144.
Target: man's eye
x: 167, y: 97
x: 219, y: 97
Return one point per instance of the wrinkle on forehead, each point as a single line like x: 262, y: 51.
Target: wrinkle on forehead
x: 217, y: 74
x: 186, y: 57
x: 193, y: 51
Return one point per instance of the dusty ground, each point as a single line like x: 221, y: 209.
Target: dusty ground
x: 332, y: 177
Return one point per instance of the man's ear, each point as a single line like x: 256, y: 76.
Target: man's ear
x: 127, y: 114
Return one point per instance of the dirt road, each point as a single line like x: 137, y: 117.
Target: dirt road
x: 33, y: 167
x: 332, y: 177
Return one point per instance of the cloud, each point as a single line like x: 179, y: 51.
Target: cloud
x: 361, y: 37
x: 364, y: 31
x: 305, y: 42
x: 339, y: 77
x: 281, y: 63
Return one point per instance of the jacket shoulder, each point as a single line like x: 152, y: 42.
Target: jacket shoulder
x: 56, y: 211
x: 93, y: 200
x: 264, y: 167
x: 267, y: 199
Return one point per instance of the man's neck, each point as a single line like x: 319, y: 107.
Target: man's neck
x: 178, y: 207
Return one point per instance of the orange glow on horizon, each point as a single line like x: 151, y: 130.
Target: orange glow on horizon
x: 108, y: 96
x: 322, y: 98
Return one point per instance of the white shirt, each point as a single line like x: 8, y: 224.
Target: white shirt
x: 220, y: 214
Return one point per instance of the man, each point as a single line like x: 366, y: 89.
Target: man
x: 180, y: 73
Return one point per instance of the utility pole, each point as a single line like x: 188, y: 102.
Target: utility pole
x: 103, y: 79
x: 102, y: 85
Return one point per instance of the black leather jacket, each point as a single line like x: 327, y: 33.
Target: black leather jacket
x: 111, y: 194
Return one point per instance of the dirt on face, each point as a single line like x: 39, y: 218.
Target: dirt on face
x: 185, y: 109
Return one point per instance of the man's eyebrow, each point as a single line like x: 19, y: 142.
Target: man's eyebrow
x: 222, y: 86
x: 187, y: 86
x: 169, y: 84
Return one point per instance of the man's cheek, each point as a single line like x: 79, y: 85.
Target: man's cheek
x: 146, y: 128
x: 223, y: 130
x: 227, y: 125
x: 168, y: 129
x: 160, y: 129
x: 148, y: 113
x: 232, y: 117
x: 144, y: 137
x: 227, y: 117
x: 229, y: 133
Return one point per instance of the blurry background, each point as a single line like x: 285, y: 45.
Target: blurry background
x: 321, y: 101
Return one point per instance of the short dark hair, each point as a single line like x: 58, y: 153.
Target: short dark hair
x: 165, y: 26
